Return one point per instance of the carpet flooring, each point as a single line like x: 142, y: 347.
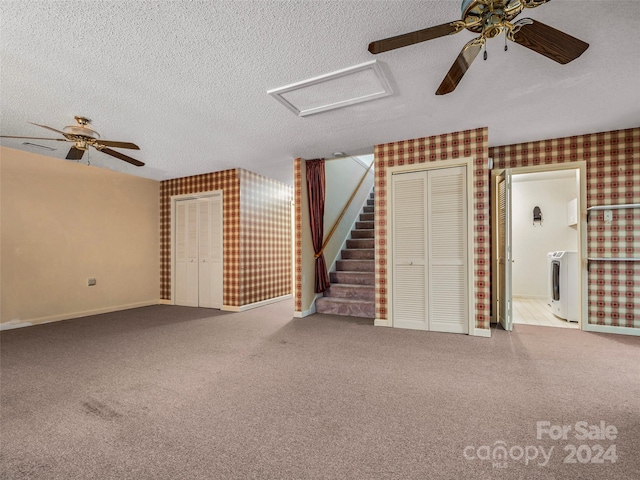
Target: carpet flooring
x: 169, y: 392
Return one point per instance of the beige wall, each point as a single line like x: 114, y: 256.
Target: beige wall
x: 62, y: 222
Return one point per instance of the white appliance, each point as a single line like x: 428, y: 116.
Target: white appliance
x: 550, y: 256
x: 563, y: 273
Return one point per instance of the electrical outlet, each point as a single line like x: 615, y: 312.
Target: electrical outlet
x: 91, y: 282
x: 608, y: 217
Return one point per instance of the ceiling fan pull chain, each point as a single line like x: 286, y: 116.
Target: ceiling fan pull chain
x: 505, y: 41
x: 484, y: 56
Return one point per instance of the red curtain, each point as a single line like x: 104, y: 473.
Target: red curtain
x: 316, y: 191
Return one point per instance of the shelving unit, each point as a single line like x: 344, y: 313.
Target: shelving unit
x: 612, y: 207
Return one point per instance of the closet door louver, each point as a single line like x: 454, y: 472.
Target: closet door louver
x: 204, y: 254
x: 429, y: 250
x: 216, y: 251
x: 198, y: 252
x: 181, y: 253
x: 187, y: 253
x: 409, y: 253
x: 447, y: 250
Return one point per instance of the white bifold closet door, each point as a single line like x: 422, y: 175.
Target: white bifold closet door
x: 429, y: 255
x: 199, y: 252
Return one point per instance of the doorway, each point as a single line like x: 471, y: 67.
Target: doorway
x: 197, y: 250
x: 538, y: 246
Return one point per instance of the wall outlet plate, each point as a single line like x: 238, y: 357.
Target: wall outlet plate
x: 608, y: 217
x: 91, y: 282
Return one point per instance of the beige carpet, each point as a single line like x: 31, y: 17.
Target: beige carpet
x: 179, y: 393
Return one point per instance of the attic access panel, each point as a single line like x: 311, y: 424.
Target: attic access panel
x: 357, y: 84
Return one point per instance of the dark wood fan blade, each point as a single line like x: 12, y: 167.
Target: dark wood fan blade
x: 545, y: 40
x: 37, y: 138
x: 110, y: 143
x: 75, y: 154
x: 407, y: 39
x: 121, y: 156
x: 48, y: 128
x: 459, y: 67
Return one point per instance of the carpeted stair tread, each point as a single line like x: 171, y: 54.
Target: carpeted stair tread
x: 356, y: 265
x: 361, y: 233
x: 357, y: 243
x: 352, y: 290
x: 358, y: 254
x: 358, y: 278
x: 345, y: 306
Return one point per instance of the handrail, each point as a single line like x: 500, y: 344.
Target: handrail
x: 344, y: 210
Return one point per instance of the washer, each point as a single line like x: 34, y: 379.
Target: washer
x: 563, y: 272
x: 550, y: 256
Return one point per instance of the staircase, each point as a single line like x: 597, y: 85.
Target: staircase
x: 352, y: 290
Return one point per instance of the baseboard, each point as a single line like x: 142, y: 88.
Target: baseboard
x: 482, y: 332
x: 306, y: 313
x: 249, y: 306
x: 67, y: 316
x: 611, y: 329
x: 163, y: 301
x: 10, y: 325
x: 382, y: 322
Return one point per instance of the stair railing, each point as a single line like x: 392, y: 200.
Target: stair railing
x: 344, y: 210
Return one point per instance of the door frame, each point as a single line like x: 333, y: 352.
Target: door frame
x: 174, y: 200
x: 466, y: 162
x: 506, y: 306
x: 581, y: 166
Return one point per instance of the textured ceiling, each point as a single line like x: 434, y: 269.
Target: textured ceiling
x: 187, y: 80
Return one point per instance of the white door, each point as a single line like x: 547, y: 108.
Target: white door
x: 409, y: 292
x: 187, y: 253
x: 198, y: 252
x: 503, y: 191
x: 210, y: 252
x: 447, y: 248
x: 429, y: 255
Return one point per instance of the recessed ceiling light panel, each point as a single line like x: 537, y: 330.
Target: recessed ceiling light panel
x: 348, y: 86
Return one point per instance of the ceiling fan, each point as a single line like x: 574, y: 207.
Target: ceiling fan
x: 84, y: 137
x: 490, y: 18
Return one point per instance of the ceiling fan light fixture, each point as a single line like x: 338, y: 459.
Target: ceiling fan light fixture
x: 84, y: 137
x: 81, y: 131
x: 490, y: 18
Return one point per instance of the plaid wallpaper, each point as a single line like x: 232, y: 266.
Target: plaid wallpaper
x: 470, y: 143
x: 227, y: 181
x: 265, y: 238
x: 297, y: 180
x: 245, y: 243
x: 613, y: 177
